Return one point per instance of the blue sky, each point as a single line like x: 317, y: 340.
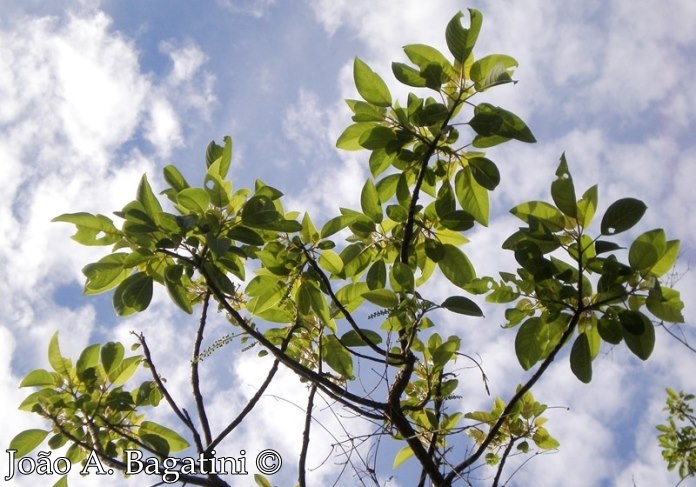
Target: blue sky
x: 94, y: 94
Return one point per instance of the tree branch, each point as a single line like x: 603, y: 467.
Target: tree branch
x: 195, y: 379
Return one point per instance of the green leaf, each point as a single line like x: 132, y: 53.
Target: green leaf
x: 377, y: 275
x: 336, y: 356
x: 62, y: 482
x: 88, y: 358
x: 563, y: 190
x: 647, y: 249
x: 489, y: 120
x: 638, y: 333
x: 261, y: 481
x: 120, y: 374
x: 370, y: 86
x: 220, y: 154
x: 456, y: 266
x: 195, y: 200
x: 402, y: 279
x: 353, y: 339
x: 408, y: 75
x: 377, y: 138
x: 267, y: 291
x: 105, y: 274
x: 173, y: 282
x: 331, y: 262
x: 91, y: 229
x: 666, y: 304
x: 148, y: 199
x: 530, y: 342
x: 404, y: 454
x: 350, y: 137
x: 175, y: 179
x: 59, y: 363
x: 435, y: 69
x: 581, y: 359
x: 492, y: 70
x: 587, y: 206
x: 462, y: 305
x: 174, y: 440
x: 382, y: 297
x: 133, y: 294
x: 666, y: 262
x: 260, y: 212
x: 111, y: 356
x: 369, y: 201
x: 485, y: 172
x: 472, y: 197
x: 26, y: 441
x: 622, y: 215
x: 38, y: 378
x: 610, y: 330
x: 542, y: 211
x: 461, y: 41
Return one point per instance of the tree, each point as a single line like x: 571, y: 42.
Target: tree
x: 321, y: 305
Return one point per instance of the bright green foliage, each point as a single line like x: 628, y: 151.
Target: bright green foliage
x: 678, y: 437
x: 88, y: 408
x: 429, y: 186
x: 561, y: 287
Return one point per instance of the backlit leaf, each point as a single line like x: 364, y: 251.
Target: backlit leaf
x: 456, y: 266
x: 26, y: 441
x: 581, y: 359
x: 337, y: 356
x: 371, y: 87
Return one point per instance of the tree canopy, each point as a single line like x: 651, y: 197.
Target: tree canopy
x: 331, y: 301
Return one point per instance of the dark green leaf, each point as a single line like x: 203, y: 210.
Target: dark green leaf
x: 472, y: 197
x: 408, y: 76
x: 353, y: 339
x: 462, y: 305
x: 402, y: 279
x: 581, y: 359
x: 490, y: 121
x: 485, y: 172
x: 610, y: 330
x: 638, y: 333
x: 622, y: 215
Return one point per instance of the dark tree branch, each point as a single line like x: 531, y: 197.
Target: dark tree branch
x: 305, y: 437
x: 168, y: 397
x: 195, y: 379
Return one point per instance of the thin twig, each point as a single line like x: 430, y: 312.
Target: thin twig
x: 195, y: 379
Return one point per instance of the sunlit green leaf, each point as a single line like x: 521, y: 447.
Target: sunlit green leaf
x: 404, y: 454
x: 37, y: 378
x: 369, y: 84
x: 665, y: 304
x: 492, y: 70
x: 26, y: 441
x: 456, y: 266
x: 196, y: 200
x: 91, y: 229
x: 105, y: 274
x: 337, y: 356
x: 120, y: 374
x: 59, y: 363
x: 350, y: 137
x: 472, y: 197
x: 382, y: 297
x: 402, y: 279
x: 133, y: 294
x: 666, y: 262
x: 647, y: 249
x: 148, y: 199
x: 369, y: 201
x: 408, y: 75
x: 174, y: 177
